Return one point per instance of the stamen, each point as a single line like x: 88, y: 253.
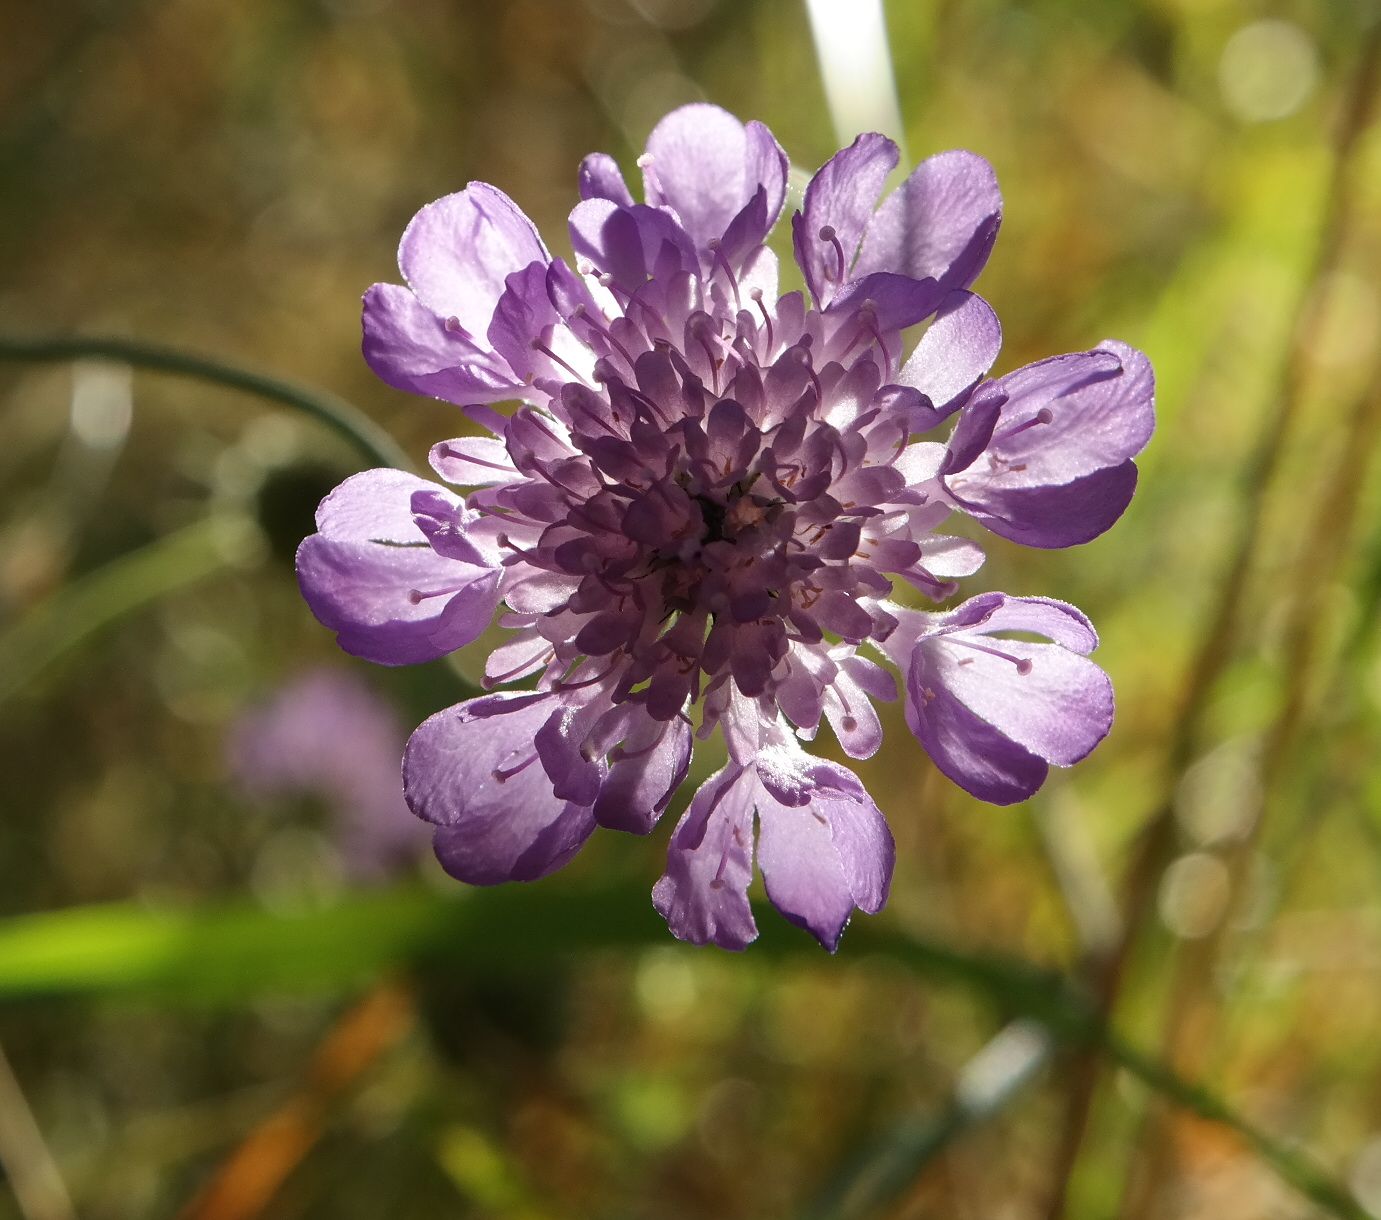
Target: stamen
x: 449, y: 452
x: 532, y: 663
x: 802, y: 351
x: 723, y: 263
x: 604, y: 332
x: 699, y: 329
x: 828, y: 234
x: 868, y: 316
x: 717, y: 881
x: 418, y: 596
x: 1044, y: 416
x: 644, y: 400
x: 504, y: 541
x: 756, y: 296
x: 538, y: 346
x: 503, y: 774
x: 1023, y: 664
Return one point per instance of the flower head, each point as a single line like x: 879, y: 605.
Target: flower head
x: 707, y: 513
x: 324, y: 733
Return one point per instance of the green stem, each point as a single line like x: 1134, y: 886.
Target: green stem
x: 346, y: 420
x: 74, y: 613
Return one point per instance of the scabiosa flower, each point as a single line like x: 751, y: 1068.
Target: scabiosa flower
x: 710, y: 510
x: 324, y: 733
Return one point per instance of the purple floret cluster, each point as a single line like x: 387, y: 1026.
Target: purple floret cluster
x: 717, y: 509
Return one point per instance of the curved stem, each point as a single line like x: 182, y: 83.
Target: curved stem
x: 86, y: 606
x: 346, y: 420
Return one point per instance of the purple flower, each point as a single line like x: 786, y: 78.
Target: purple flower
x: 326, y: 734
x: 716, y: 501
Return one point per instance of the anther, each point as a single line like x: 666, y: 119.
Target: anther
x: 827, y: 234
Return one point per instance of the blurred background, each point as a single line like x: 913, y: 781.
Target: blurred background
x: 231, y: 982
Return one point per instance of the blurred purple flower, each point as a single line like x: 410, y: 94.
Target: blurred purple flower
x: 707, y: 501
x: 327, y: 735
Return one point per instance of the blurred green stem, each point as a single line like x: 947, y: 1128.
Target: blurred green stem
x: 1158, y: 839
x: 233, y: 953
x: 80, y: 609
x: 346, y: 420
x: 29, y: 1166
x: 894, y: 1161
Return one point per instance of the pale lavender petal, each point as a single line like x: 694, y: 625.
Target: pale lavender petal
x: 862, y: 838
x: 897, y: 301
x: 801, y: 869
x: 695, y: 164
x: 473, y: 461
x: 1052, y: 702
x: 1066, y: 625
x: 371, y: 576
x: 471, y: 771
x: 560, y: 742
x: 941, y: 222
x: 628, y: 243
x: 1086, y: 412
x: 950, y: 558
x: 821, y: 860
x: 457, y: 252
x: 852, y: 716
x: 703, y: 895
x: 647, y: 768
x: 967, y: 749
x: 364, y: 593
x: 956, y: 351
x: 840, y: 201
x: 373, y: 506
x: 974, y: 431
x: 1063, y: 515
x: 412, y: 349
x: 601, y: 178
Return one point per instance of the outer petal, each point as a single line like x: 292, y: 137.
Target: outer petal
x: 473, y: 461
x: 1050, y: 517
x: 956, y: 351
x: 707, y: 166
x: 703, y: 895
x: 801, y: 869
x: 1054, y: 703
x: 497, y: 819
x: 456, y: 253
x: 524, y: 315
x: 645, y: 771
x: 628, y: 243
x: 600, y: 178
x: 1066, y: 625
x: 841, y: 196
x: 941, y: 222
x: 968, y: 750
x: 1096, y: 410
x: 821, y: 860
x: 362, y: 572
x: 412, y: 349
x: 864, y: 842
x: 897, y: 301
